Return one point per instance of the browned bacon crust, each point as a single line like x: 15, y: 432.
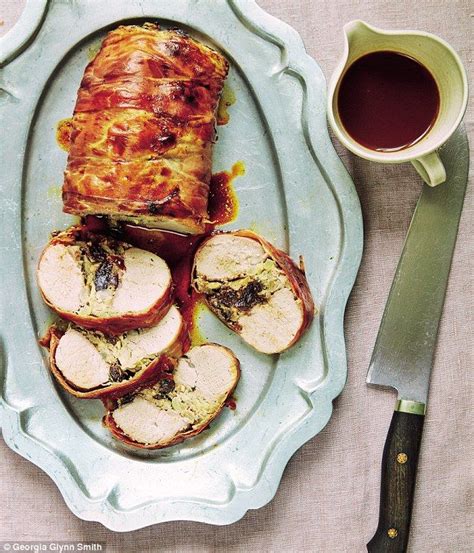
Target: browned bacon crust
x: 143, y: 128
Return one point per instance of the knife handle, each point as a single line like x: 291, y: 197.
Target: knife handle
x: 399, y: 462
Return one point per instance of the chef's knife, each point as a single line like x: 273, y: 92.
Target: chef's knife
x: 404, y: 349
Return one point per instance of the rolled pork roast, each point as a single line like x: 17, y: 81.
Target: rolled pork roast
x: 143, y: 129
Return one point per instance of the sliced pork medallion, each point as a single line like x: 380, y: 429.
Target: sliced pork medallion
x: 254, y: 288
x: 90, y: 364
x: 103, y: 284
x: 177, y: 408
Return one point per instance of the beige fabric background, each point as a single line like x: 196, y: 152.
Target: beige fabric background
x: 328, y: 498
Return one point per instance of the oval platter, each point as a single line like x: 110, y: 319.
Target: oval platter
x: 295, y: 192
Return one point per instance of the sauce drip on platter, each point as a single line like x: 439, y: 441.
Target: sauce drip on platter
x: 223, y: 205
x: 63, y: 133
x: 231, y: 403
x: 387, y: 101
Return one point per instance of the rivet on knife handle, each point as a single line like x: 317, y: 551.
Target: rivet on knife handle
x: 399, y: 463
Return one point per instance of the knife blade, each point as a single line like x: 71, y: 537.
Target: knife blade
x: 405, y: 345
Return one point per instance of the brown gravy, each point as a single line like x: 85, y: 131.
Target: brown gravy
x: 387, y: 101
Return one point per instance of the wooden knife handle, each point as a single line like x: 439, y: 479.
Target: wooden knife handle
x: 399, y: 462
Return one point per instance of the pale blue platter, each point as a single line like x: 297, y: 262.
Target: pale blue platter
x: 295, y: 192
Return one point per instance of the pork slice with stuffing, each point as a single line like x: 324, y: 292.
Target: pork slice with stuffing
x: 90, y: 364
x: 103, y: 284
x: 172, y: 410
x: 255, y: 289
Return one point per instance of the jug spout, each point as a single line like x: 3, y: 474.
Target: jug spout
x: 359, y: 38
x: 358, y: 29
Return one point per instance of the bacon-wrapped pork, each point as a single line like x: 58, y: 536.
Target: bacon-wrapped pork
x: 103, y: 284
x: 254, y: 288
x: 171, y: 410
x: 89, y: 364
x: 143, y: 129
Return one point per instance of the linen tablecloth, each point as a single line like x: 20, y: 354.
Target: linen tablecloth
x: 329, y: 494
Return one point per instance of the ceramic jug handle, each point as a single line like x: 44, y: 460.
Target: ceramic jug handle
x: 431, y: 169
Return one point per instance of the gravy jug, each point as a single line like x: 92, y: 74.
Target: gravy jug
x: 445, y: 67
